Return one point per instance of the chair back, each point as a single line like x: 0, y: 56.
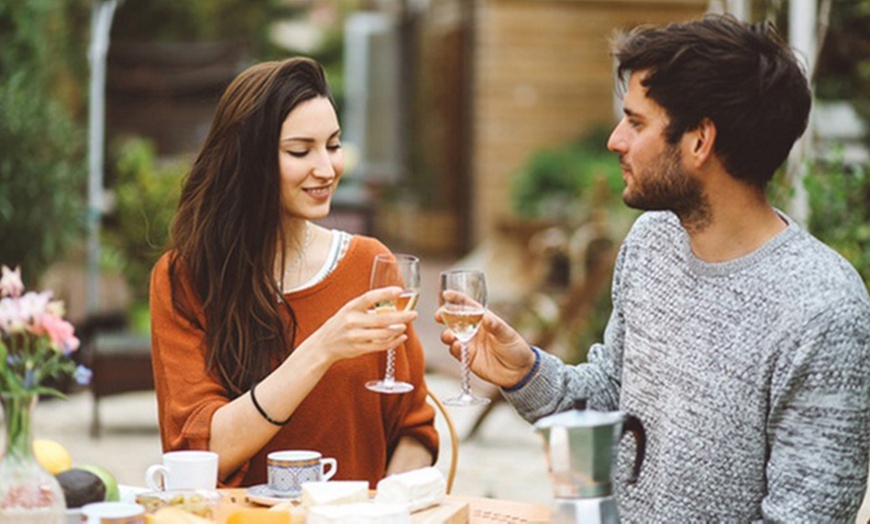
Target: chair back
x: 454, y: 439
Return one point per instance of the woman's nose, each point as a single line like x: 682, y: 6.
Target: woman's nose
x: 323, y: 168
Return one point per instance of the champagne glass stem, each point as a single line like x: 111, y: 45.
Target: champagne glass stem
x: 390, y: 375
x: 466, y: 370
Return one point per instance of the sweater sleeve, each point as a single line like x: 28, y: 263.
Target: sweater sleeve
x: 556, y: 386
x: 187, y: 395
x: 819, y: 423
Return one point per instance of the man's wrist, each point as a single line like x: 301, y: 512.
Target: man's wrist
x: 530, y: 374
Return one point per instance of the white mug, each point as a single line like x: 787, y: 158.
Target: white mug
x: 287, y: 470
x: 113, y: 513
x: 184, y: 470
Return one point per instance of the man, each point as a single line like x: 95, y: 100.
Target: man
x: 739, y: 340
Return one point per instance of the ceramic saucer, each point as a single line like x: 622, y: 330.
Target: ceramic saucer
x: 261, y: 494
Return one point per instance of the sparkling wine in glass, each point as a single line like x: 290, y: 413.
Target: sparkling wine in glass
x: 402, y: 271
x: 462, y: 307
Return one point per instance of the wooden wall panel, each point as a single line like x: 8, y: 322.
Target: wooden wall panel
x: 542, y: 76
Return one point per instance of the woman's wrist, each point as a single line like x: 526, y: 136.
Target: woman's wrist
x: 312, y: 356
x: 262, y: 411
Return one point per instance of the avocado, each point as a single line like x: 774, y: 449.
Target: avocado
x: 81, y: 487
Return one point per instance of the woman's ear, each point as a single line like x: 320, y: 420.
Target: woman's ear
x: 702, y: 140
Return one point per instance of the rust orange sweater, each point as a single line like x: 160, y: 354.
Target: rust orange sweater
x: 340, y: 417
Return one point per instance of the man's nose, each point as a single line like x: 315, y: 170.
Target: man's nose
x: 617, y: 141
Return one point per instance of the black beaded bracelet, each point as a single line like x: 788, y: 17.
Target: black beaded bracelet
x: 263, y: 412
x: 525, y: 380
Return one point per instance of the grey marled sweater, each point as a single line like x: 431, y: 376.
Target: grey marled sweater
x: 752, y: 378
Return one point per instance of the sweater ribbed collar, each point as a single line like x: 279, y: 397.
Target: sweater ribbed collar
x: 719, y: 269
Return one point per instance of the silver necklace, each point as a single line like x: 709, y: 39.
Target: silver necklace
x: 292, y: 265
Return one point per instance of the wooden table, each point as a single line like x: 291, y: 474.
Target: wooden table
x: 483, y: 510
x: 479, y: 510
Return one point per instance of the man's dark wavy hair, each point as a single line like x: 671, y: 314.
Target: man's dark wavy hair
x: 741, y: 76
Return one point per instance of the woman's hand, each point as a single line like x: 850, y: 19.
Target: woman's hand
x: 497, y: 353
x: 358, y: 329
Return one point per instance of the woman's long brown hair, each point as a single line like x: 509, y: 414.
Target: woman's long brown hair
x: 227, y: 231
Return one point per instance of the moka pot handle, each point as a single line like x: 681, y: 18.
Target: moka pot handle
x: 633, y: 425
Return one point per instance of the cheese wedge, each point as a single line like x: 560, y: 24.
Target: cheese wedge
x: 417, y: 489
x: 359, y: 513
x: 334, y: 492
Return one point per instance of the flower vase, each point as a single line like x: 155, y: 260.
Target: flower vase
x: 28, y: 493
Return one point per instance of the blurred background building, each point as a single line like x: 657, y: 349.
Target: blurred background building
x: 442, y: 102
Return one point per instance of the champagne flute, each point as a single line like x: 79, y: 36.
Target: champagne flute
x: 402, y: 271
x: 462, y: 307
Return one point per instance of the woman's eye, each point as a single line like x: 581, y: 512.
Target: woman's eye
x: 297, y: 154
x: 334, y: 147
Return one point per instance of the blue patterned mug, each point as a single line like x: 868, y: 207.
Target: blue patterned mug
x: 287, y: 470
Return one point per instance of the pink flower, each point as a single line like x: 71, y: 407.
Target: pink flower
x: 11, y: 284
x: 32, y: 334
x: 58, y: 330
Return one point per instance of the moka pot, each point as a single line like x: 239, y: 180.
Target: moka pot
x: 581, y: 447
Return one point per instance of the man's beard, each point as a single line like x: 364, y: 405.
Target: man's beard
x: 665, y: 186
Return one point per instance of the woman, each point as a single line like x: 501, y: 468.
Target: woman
x: 261, y: 339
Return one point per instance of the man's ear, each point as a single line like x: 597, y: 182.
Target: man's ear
x: 702, y: 141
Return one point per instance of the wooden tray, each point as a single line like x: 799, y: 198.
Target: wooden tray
x: 448, y: 512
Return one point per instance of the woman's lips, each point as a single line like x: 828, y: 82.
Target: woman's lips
x: 319, y: 193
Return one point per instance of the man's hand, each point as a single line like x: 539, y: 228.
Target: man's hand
x: 497, y: 353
